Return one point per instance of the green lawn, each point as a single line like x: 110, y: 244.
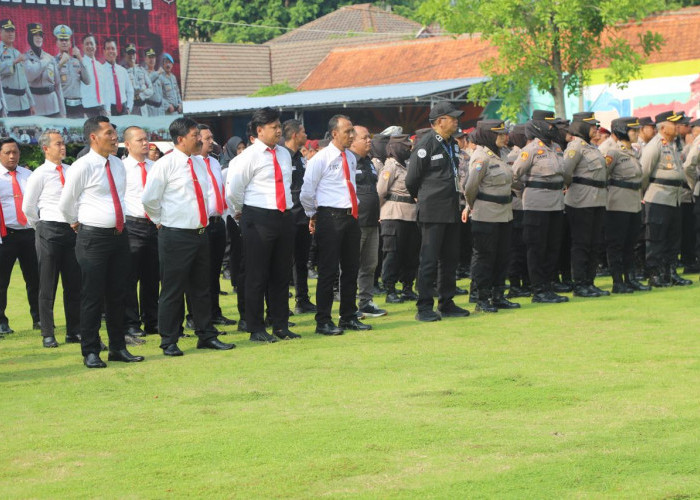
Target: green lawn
x: 596, y: 398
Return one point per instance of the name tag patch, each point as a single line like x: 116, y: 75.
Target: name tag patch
x: 437, y: 157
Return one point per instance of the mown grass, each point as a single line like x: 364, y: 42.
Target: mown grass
x: 596, y: 398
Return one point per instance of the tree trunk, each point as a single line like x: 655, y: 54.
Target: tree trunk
x: 559, y: 101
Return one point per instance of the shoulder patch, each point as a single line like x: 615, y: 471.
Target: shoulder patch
x: 540, y: 151
x: 386, y: 174
x: 489, y: 152
x: 422, y: 153
x: 571, y: 153
x: 478, y: 165
x: 540, y: 143
x: 524, y: 155
x: 608, y: 160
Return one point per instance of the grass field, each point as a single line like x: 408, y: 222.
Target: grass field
x: 596, y: 398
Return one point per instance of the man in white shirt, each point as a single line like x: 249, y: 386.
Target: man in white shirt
x: 93, y: 94
x: 329, y: 198
x: 175, y: 198
x: 55, y: 240
x: 141, y: 307
x: 92, y: 202
x: 17, y: 235
x: 120, y: 91
x: 259, y: 183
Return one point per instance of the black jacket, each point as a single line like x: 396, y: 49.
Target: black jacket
x: 298, y: 170
x: 366, y: 182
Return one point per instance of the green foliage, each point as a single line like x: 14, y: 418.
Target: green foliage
x: 31, y: 156
x: 274, y: 89
x: 549, y: 45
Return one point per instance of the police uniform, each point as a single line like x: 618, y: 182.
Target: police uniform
x: 171, y: 91
x: 42, y: 75
x: 663, y: 176
x: 432, y: 179
x: 71, y: 74
x: 143, y: 88
x: 400, y: 235
x: 687, y: 243
x: 518, y: 277
x: 18, y: 99
x: 691, y: 168
x: 488, y: 194
x: 586, y: 174
x: 154, y: 103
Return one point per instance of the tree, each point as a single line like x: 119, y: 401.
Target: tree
x: 551, y: 45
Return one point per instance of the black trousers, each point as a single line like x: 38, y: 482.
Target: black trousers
x: 143, y: 280
x: 542, y: 234
x: 401, y: 244
x: 517, y: 260
x: 621, y: 232
x: 74, y: 111
x: 268, y: 237
x: 663, y: 235
x: 103, y: 257
x: 688, y: 234
x: 184, y: 268
x: 19, y: 245
x: 465, y: 243
x: 563, y: 270
x: 235, y: 248
x: 114, y: 111
x: 94, y: 111
x: 55, y: 250
x: 586, y: 227
x: 217, y: 247
x: 491, y: 245
x: 697, y: 228
x: 338, y: 240
x: 439, y: 255
x: 302, y: 244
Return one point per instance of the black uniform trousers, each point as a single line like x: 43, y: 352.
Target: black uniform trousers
x: 663, y: 235
x: 217, y: 247
x: 517, y: 260
x: 302, y: 245
x: 338, y: 239
x: 234, y: 255
x: 439, y: 255
x: 491, y: 245
x: 687, y: 249
x: 184, y: 268
x: 563, y: 270
x: 586, y: 227
x: 19, y: 245
x: 55, y: 250
x: 268, y: 237
x: 401, y: 244
x: 697, y: 228
x: 542, y: 234
x: 103, y: 256
x: 143, y: 276
x: 621, y: 233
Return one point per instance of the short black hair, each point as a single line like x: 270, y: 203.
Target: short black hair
x: 203, y: 126
x: 89, y: 35
x: 7, y: 140
x: 262, y: 117
x: 109, y: 40
x: 333, y: 122
x: 180, y: 127
x: 92, y: 125
x: 291, y: 127
x: 249, y: 130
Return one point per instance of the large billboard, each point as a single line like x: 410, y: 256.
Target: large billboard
x: 64, y: 60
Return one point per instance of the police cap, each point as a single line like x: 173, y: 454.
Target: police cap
x: 444, y: 108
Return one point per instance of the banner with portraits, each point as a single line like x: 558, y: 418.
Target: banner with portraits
x: 64, y: 60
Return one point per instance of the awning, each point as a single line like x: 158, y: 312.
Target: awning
x: 379, y: 95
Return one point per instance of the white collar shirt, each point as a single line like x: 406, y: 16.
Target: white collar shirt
x: 89, y: 93
x: 7, y: 197
x: 324, y: 180
x: 126, y: 89
x: 43, y: 193
x: 134, y: 186
x: 216, y: 172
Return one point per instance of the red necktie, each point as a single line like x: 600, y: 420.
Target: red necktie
x: 115, y: 199
x: 279, y: 183
x: 3, y: 229
x: 200, y: 196
x: 97, y: 82
x: 351, y: 188
x: 60, y: 174
x: 116, y: 89
x: 219, y: 200
x: 17, y: 195
x: 142, y: 164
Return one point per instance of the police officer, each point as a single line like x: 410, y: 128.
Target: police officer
x: 154, y: 104
x: 517, y: 263
x: 586, y: 174
x: 687, y: 243
x: 400, y: 236
x: 432, y: 179
x: 143, y: 88
x: 691, y: 167
x: 42, y: 76
x: 488, y: 195
x: 71, y: 71
x: 18, y: 99
x: 623, y: 218
x: 172, y: 101
x: 539, y: 167
x: 663, y: 174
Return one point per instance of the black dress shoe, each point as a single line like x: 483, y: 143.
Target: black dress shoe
x: 36, y: 325
x: 515, y: 292
x: 486, y: 306
x: 676, y: 280
x: 103, y: 346
x: 460, y: 291
x: 393, y: 298
x: 262, y: 336
x: 585, y: 292
x: 503, y: 303
x: 453, y: 311
x: 328, y: 329
x: 124, y: 356
x: 50, y: 341
x: 637, y: 285
x: 72, y: 339
x: 353, y: 324
x: 5, y: 329
x: 223, y: 320
x: 135, y: 331
x: 409, y: 294
x: 428, y: 316
x: 286, y: 334
x: 557, y: 298
x: 304, y: 306
x: 93, y: 360
x: 189, y: 323
x: 562, y: 287
x: 599, y: 291
x: 172, y: 350
x: 214, y: 343
x: 242, y: 326
x: 621, y: 287
x: 133, y: 340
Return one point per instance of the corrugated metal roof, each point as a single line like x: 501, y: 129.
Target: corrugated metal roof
x: 396, y: 93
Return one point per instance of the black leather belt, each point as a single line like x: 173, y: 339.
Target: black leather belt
x: 214, y: 219
x: 17, y: 92
x: 625, y: 185
x: 554, y: 186
x: 108, y: 231
x: 336, y: 211
x: 139, y: 102
x: 155, y: 104
x: 41, y: 90
x: 666, y: 182
x: 138, y: 220
x: 401, y: 199
x: 200, y: 230
x: 590, y: 182
x: 53, y: 223
x: 502, y: 200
